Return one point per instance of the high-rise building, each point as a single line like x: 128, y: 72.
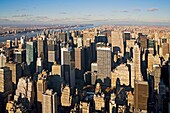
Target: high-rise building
x: 79, y: 42
x: 85, y: 107
x: 137, y: 62
x: 19, y: 55
x: 63, y: 37
x: 39, y: 66
x: 66, y: 99
x: 143, y: 41
x: 126, y: 35
x: 43, y: 50
x: 16, y: 73
x: 31, y: 55
x: 99, y: 102
x: 141, y: 93
x: 150, y: 62
x: 16, y: 42
x: 55, y: 78
x: 2, y: 60
x: 49, y: 102
x: 165, y: 49
x: 117, y: 42
x: 15, y: 107
x: 9, y: 43
x: 121, y: 72
x: 56, y: 69
x: 25, y: 91
x: 5, y: 86
x: 104, y: 61
x: 52, y: 52
x: 67, y: 63
x: 41, y: 88
x: 79, y: 62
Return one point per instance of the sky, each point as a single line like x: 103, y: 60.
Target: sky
x: 85, y: 12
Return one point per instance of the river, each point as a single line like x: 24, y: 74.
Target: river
x: 32, y: 34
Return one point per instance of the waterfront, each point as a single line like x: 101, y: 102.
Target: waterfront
x: 33, y: 34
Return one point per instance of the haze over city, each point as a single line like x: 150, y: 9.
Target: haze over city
x: 141, y: 12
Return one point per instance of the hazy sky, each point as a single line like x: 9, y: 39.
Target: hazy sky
x: 84, y: 11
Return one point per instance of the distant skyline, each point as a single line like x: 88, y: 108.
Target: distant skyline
x: 147, y: 12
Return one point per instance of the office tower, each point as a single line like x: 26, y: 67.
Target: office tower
x: 141, y: 92
x: 101, y: 38
x: 56, y: 69
x: 85, y: 107
x: 79, y: 42
x: 143, y: 41
x: 52, y: 52
x: 129, y: 46
x: 9, y: 54
x: 151, y: 46
x: 5, y: 86
x: 130, y: 100
x: 104, y: 61
x: 19, y: 55
x: 41, y: 88
x: 157, y: 76
x: 121, y: 72
x: 112, y: 103
x: 137, y: 62
x: 16, y: 42
x: 66, y: 98
x: 8, y: 43
x: 150, y: 62
x: 43, y: 50
x: 25, y: 91
x: 22, y: 39
x: 16, y: 73
x: 88, y: 36
x: 126, y: 36
x: 31, y: 55
x: 79, y: 62
x: 99, y: 102
x: 165, y: 49
x: 67, y: 63
x: 49, y: 102
x: 55, y: 78
x: 14, y: 107
x: 117, y: 42
x: 93, y: 67
x: 2, y: 60
x: 63, y: 37
x: 39, y: 66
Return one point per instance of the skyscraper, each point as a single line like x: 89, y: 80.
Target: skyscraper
x: 67, y: 63
x: 16, y: 73
x: 66, y: 99
x: 43, y: 50
x: 5, y: 86
x: 137, y: 62
x: 39, y: 66
x: 25, y: 91
x: 117, y: 42
x: 41, y: 88
x: 104, y: 61
x: 141, y: 93
x: 31, y: 55
x: 79, y: 62
x: 19, y: 55
x: 52, y: 52
x: 2, y: 60
x: 49, y: 102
